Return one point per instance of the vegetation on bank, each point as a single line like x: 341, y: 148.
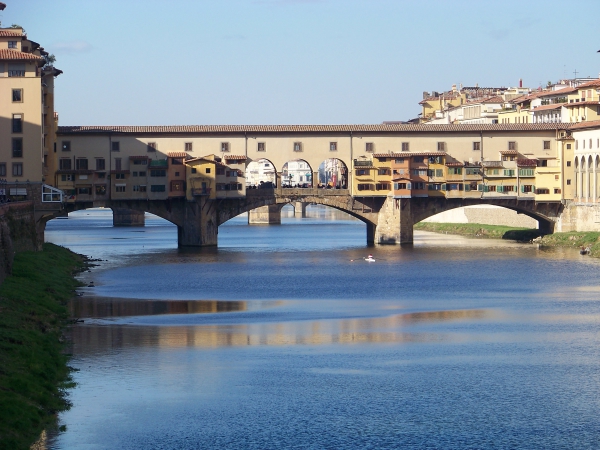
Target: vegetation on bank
x: 573, y: 239
x: 480, y: 230
x: 34, y: 374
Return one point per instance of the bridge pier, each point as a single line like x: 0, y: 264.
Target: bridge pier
x: 394, y: 223
x: 128, y: 218
x: 265, y: 215
x: 300, y: 209
x: 198, y: 225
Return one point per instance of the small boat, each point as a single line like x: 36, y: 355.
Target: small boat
x: 585, y: 251
x: 370, y: 258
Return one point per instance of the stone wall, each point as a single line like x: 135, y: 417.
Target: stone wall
x: 579, y: 217
x: 18, y: 233
x: 484, y: 214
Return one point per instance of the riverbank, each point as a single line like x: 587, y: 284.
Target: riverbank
x: 573, y: 239
x: 34, y: 374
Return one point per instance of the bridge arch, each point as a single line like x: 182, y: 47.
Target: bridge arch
x: 333, y: 172
x: 297, y: 173
x: 261, y: 172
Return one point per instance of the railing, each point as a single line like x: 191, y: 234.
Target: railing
x: 358, y: 163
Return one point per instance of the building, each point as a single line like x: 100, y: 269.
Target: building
x: 27, y: 117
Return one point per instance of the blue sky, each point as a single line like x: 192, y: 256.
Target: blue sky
x: 134, y: 62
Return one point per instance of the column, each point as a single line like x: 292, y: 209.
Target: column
x: 265, y: 215
x: 300, y: 209
x: 123, y: 217
x: 197, y: 228
x: 394, y: 222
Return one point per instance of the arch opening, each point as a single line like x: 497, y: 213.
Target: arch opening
x: 297, y: 174
x: 333, y: 174
x: 261, y: 174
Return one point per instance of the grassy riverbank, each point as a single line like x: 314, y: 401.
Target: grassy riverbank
x: 480, y: 230
x: 33, y: 367
x: 573, y: 239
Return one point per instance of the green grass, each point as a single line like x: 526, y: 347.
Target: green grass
x: 480, y: 230
x: 34, y: 374
x: 576, y: 239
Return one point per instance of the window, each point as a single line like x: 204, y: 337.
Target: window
x: 297, y: 146
x: 115, y: 146
x: 100, y: 164
x: 557, y: 191
x: 2, y: 169
x: 17, y: 169
x: 17, y: 147
x: 509, y: 172
x: 188, y: 146
x: 362, y: 172
x: 208, y: 170
x: 65, y: 164
x: 455, y: 171
x: 152, y: 147
x: 568, y: 182
x: 364, y: 187
x: 67, y: 177
x: 512, y: 145
x: 120, y: 188
x: 84, y: 191
x: 398, y: 186
x: 441, y: 146
x: 399, y: 160
x: 405, y: 147
x: 158, y: 173
x: 476, y: 145
x: 543, y: 163
x: 143, y: 173
x: 119, y: 176
x: 134, y: 174
x: 542, y: 191
x: 475, y: 171
x: 194, y: 170
x: 546, y: 145
x: 220, y: 171
x: 12, y: 44
x: 439, y: 173
x: 526, y: 188
x: 17, y: 95
x: 81, y: 163
x: 117, y: 163
x: 556, y: 177
x: 139, y: 188
x: 17, y: 123
x: 590, y: 143
x: 383, y: 172
x: 525, y: 172
x: 369, y: 147
x: 100, y: 189
x: 418, y: 159
x: 224, y: 146
x: 568, y: 163
x: 66, y: 146
x: 333, y: 146
x: 177, y: 161
x: 262, y: 147
x: 382, y: 187
x: 568, y: 146
x: 140, y: 162
x: 158, y: 188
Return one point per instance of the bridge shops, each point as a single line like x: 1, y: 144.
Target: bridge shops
x: 365, y: 170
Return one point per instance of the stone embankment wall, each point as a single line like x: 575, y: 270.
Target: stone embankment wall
x: 17, y: 233
x: 579, y: 217
x: 484, y: 214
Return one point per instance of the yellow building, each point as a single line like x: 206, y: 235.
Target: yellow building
x: 208, y: 176
x: 27, y: 118
x: 583, y: 105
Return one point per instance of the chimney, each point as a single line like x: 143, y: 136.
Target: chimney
x: 520, y: 82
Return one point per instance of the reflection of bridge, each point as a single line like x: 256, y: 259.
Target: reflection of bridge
x: 389, y: 220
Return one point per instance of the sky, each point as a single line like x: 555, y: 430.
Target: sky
x: 248, y: 62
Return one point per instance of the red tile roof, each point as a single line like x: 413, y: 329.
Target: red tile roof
x: 13, y: 55
x: 454, y: 164
x: 568, y: 105
x: 526, y: 162
x: 548, y: 107
x: 10, y: 33
x: 376, y: 128
x: 235, y: 157
x: 407, y: 154
x: 177, y: 154
x: 593, y: 83
x: 558, y: 92
x: 139, y: 157
x: 509, y: 152
x: 582, y: 125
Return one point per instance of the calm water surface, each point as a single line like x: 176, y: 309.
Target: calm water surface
x: 284, y: 337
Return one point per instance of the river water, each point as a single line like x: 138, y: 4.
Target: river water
x: 284, y: 337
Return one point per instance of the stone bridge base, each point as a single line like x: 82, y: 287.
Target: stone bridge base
x: 128, y: 218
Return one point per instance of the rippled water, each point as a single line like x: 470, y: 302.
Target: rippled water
x: 284, y: 337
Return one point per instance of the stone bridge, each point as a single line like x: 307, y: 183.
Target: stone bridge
x: 388, y: 220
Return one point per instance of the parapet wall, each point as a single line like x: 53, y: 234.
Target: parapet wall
x: 17, y: 233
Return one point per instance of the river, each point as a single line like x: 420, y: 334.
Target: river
x: 284, y: 337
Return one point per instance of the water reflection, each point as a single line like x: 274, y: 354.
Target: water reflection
x: 85, y: 307
x: 102, y: 336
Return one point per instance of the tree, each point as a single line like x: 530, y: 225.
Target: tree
x: 49, y: 60
x: 14, y: 25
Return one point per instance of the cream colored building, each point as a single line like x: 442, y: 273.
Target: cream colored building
x: 27, y: 118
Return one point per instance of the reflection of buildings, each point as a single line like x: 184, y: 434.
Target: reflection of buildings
x: 261, y: 171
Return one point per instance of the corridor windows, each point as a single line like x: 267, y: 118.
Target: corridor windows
x: 512, y: 145
x: 66, y: 146
x: 81, y: 164
x: 546, y: 145
x: 120, y: 188
x: 405, y: 147
x: 568, y: 163
x: 261, y: 147
x: 65, y: 163
x: 100, y: 164
x: 333, y: 146
x: 369, y: 147
x: 17, y: 95
x: 17, y: 169
x: 17, y: 123
x: 225, y: 147
x: 115, y: 146
x: 188, y: 146
x: 297, y: 146
x: 17, y: 147
x: 441, y: 146
x: 152, y: 147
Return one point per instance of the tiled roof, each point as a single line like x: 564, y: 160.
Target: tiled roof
x: 235, y: 157
x: 139, y: 157
x: 177, y: 154
x: 12, y: 55
x: 509, y: 152
x: 593, y: 83
x: 376, y: 128
x: 582, y: 125
x: 526, y: 162
x: 568, y: 105
x: 558, y: 92
x: 494, y: 99
x: 10, y: 33
x: 454, y: 164
x: 548, y: 107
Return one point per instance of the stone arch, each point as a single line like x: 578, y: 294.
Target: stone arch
x: 297, y: 173
x: 261, y: 172
x: 333, y: 172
